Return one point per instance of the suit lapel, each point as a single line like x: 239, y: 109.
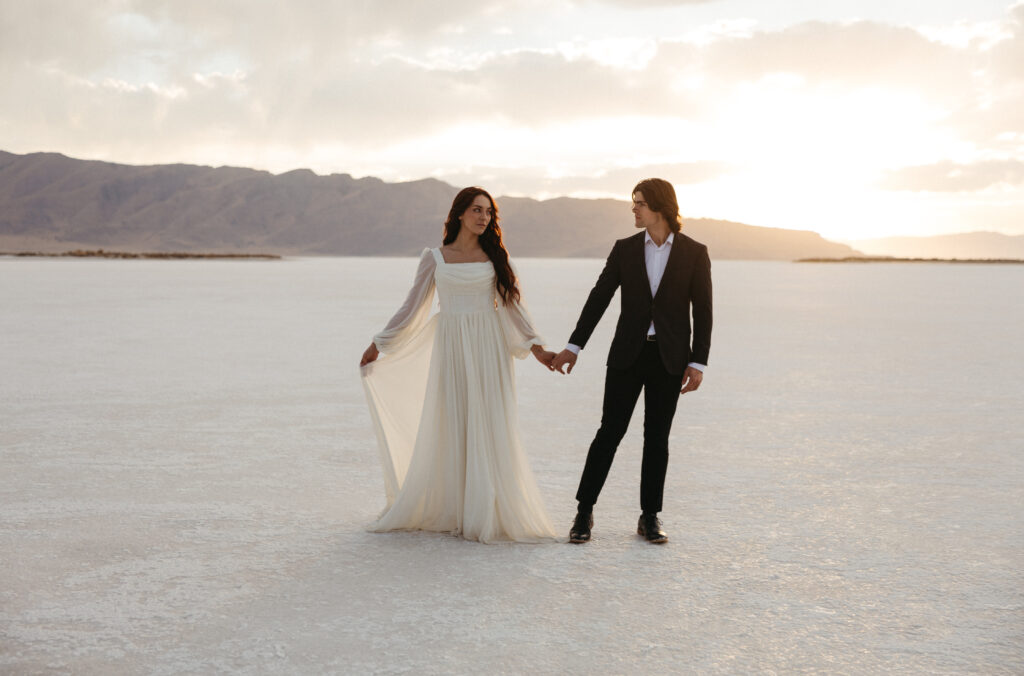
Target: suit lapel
x: 675, y: 261
x: 641, y: 238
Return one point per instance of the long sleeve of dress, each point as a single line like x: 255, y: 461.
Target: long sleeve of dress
x: 395, y: 385
x: 518, y: 326
x: 415, y: 311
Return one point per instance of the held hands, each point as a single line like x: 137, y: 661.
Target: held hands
x: 371, y: 354
x: 543, y: 356
x: 565, y: 357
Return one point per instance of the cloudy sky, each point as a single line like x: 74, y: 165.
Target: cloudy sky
x: 853, y: 118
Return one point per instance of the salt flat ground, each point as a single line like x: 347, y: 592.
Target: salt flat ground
x: 187, y: 467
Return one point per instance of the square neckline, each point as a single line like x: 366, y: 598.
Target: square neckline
x: 440, y: 255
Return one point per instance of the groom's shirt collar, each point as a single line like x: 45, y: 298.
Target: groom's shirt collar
x: 668, y: 240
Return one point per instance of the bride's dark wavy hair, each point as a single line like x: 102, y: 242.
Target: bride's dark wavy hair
x: 490, y: 241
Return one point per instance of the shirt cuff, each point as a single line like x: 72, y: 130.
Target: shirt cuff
x: 575, y: 349
x: 699, y: 367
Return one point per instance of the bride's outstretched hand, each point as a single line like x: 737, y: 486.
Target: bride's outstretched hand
x: 545, y: 357
x: 371, y: 354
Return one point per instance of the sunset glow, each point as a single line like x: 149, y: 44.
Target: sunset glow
x: 853, y: 119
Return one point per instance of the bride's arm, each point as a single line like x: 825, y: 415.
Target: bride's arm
x: 411, y: 317
x: 522, y: 337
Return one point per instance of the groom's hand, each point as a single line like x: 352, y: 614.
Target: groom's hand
x: 563, y: 358
x: 691, y: 379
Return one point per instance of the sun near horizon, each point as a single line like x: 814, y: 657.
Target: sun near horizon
x: 852, y: 119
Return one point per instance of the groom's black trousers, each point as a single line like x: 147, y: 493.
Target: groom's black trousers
x: 621, y: 391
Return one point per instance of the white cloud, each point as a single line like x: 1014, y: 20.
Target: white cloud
x: 949, y: 176
x: 322, y: 72
x: 856, y: 55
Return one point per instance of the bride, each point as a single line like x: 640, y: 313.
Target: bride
x: 443, y: 398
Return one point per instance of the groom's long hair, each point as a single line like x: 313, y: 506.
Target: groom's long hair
x: 490, y: 241
x: 661, y: 197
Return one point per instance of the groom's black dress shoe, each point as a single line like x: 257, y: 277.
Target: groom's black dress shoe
x: 581, y: 526
x: 650, y: 527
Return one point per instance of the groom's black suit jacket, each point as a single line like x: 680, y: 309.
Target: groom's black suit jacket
x: 686, y: 284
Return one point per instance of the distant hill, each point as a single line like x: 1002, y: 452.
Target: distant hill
x: 52, y: 203
x: 963, y: 245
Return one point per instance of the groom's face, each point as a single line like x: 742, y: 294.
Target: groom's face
x: 642, y: 212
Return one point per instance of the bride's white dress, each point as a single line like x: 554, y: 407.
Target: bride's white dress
x: 443, y: 402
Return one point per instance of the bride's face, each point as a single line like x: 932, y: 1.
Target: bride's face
x: 478, y: 215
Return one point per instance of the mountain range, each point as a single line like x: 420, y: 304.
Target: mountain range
x: 53, y: 203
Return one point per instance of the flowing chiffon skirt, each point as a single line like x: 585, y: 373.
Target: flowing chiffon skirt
x: 446, y: 417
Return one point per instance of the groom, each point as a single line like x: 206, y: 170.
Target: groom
x: 664, y: 275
